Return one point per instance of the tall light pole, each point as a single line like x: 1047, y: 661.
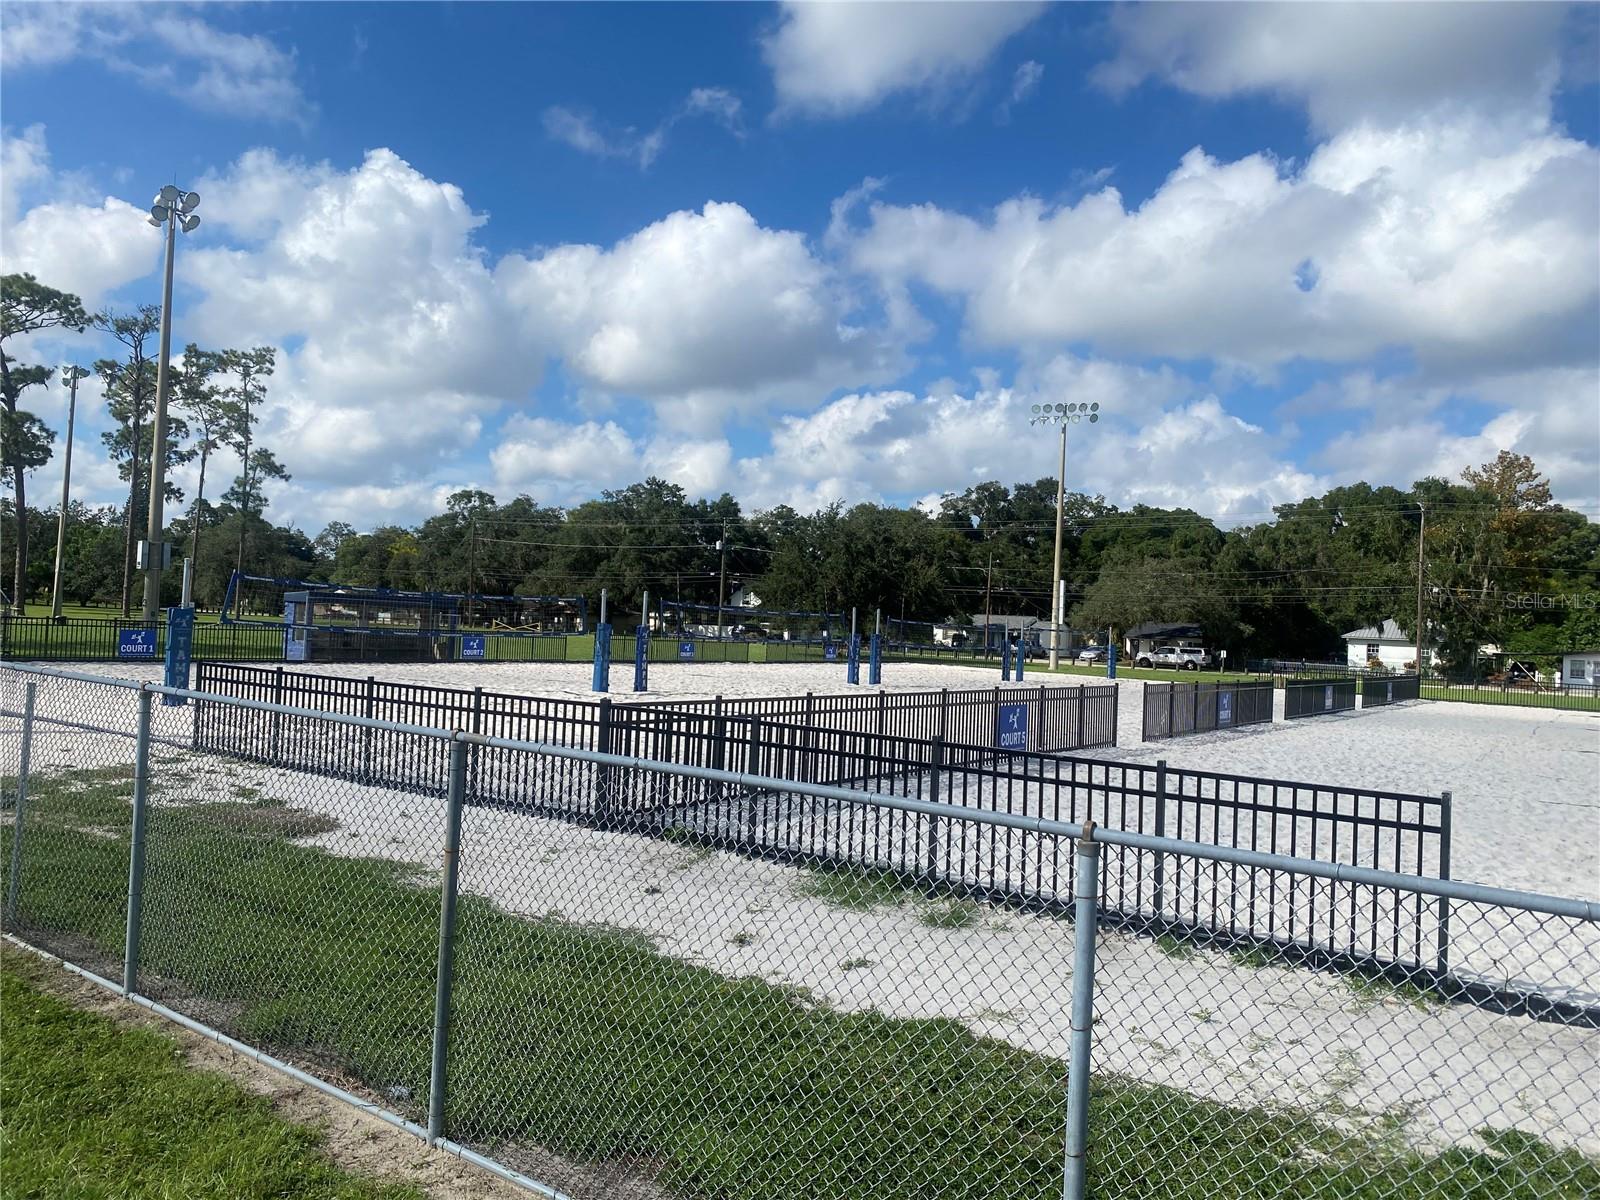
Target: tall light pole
x: 1062, y: 415
x: 173, y: 208
x: 69, y: 376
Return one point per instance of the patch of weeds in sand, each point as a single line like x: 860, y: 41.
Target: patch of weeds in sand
x: 266, y: 818
x: 1175, y: 947
x: 742, y: 938
x: 857, y: 888
x: 951, y: 914
x: 1371, y: 991
x: 856, y: 964
x: 1255, y: 958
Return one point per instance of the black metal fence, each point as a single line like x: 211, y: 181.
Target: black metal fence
x: 1317, y: 697
x: 1177, y: 709
x: 1342, y: 920
x: 1379, y: 690
x: 91, y: 639
x: 1038, y: 718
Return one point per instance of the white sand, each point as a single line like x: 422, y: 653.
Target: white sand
x: 1203, y: 1023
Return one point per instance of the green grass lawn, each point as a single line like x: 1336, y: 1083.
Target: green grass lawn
x: 587, y: 1041
x: 90, y: 1109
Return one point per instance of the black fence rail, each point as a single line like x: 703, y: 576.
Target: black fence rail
x: 90, y: 639
x: 1052, y: 718
x: 1341, y: 920
x: 1317, y: 697
x: 1178, y: 709
x: 1301, y: 669
x: 1379, y: 690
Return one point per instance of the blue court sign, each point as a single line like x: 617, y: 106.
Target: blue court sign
x: 1011, y: 726
x: 180, y: 650
x: 136, y: 643
x: 830, y: 652
x: 474, y: 645
x: 685, y: 649
x: 1327, y: 698
x: 1224, y: 708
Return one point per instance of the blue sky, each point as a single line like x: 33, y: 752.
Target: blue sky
x: 806, y: 253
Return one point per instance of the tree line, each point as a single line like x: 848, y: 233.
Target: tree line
x: 1501, y: 562
x: 214, y: 403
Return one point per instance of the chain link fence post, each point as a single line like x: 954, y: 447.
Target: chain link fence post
x: 141, y: 804
x: 14, y: 878
x: 447, y: 939
x: 1443, y: 965
x: 1086, y: 897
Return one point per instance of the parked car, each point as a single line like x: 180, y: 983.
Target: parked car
x: 1186, y: 658
x: 1092, y: 654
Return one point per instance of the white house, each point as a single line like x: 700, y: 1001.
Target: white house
x: 1386, y: 643
x: 1581, y: 669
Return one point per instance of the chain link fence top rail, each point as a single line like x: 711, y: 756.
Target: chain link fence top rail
x: 666, y: 1016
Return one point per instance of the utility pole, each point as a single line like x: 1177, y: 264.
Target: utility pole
x: 472, y: 564
x: 1422, y: 529
x: 988, y: 605
x: 70, y: 376
x: 722, y: 578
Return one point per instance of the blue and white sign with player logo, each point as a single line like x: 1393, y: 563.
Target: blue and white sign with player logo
x: 1011, y: 726
x: 685, y: 649
x: 830, y: 652
x: 136, y: 643
x: 1224, y: 708
x: 474, y: 645
x: 1327, y: 697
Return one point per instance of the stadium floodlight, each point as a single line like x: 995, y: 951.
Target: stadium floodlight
x: 1062, y: 413
x: 171, y: 207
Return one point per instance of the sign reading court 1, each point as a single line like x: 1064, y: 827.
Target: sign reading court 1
x: 1011, y: 726
x: 136, y: 643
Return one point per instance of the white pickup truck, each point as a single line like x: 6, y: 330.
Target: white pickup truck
x: 1187, y: 658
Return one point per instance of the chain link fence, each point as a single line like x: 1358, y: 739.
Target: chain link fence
x: 617, y: 1012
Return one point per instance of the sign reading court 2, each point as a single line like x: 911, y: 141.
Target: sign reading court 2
x: 474, y: 645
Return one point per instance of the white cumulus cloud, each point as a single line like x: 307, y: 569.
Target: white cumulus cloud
x: 833, y: 59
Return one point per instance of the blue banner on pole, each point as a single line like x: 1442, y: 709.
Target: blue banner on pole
x: 1111, y: 662
x: 1011, y: 726
x: 685, y: 649
x: 852, y: 669
x: 641, y: 659
x: 1005, y: 662
x: 180, y: 652
x: 136, y: 643
x: 602, y: 658
x: 875, y: 660
x: 1022, y: 654
x: 474, y: 645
